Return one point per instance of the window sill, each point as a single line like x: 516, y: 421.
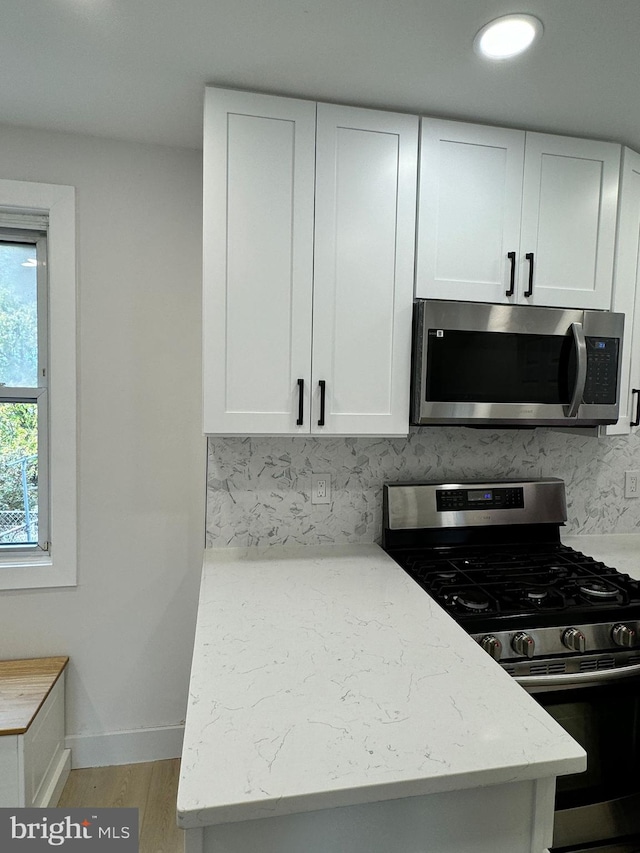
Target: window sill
x: 31, y: 572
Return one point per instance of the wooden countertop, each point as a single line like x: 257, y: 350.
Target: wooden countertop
x: 24, y: 685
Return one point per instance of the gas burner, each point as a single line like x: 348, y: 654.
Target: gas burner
x: 472, y: 563
x: 446, y: 575
x: 598, y: 589
x: 553, y: 576
x: 474, y: 601
x: 536, y: 594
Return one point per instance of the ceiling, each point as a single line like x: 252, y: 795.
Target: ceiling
x: 136, y: 69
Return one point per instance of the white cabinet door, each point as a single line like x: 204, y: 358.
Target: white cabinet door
x: 366, y: 168
x: 506, y: 216
x: 11, y: 787
x: 568, y: 221
x: 258, y: 261
x: 469, y: 211
x: 625, y: 289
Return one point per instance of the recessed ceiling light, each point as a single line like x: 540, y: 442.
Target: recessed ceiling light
x: 507, y: 36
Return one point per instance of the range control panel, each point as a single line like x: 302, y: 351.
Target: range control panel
x: 411, y: 507
x: 463, y: 500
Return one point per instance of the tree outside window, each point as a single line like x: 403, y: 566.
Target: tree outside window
x: 18, y: 370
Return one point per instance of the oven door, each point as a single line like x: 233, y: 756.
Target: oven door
x: 599, y: 808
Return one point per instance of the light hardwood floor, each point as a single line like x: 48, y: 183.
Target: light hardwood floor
x: 152, y: 788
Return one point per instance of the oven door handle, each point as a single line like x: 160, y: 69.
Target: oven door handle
x: 578, y: 679
x: 581, y: 374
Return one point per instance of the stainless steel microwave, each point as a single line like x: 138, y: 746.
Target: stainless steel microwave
x: 514, y: 365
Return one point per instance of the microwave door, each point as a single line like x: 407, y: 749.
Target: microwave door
x: 497, y: 375
x: 571, y: 411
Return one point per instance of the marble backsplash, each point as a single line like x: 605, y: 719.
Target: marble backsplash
x: 258, y: 489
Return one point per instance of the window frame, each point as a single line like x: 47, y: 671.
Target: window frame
x: 28, y: 567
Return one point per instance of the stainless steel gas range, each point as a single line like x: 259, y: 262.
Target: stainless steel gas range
x: 564, y: 625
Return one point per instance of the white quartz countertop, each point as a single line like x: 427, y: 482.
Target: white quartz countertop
x: 617, y: 550
x: 323, y: 676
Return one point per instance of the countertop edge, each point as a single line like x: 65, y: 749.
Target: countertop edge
x: 321, y: 800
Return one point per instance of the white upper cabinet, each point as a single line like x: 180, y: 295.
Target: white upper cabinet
x: 506, y: 216
x: 259, y: 165
x: 569, y: 208
x: 366, y: 167
x: 270, y: 202
x: 625, y: 290
x: 470, y: 198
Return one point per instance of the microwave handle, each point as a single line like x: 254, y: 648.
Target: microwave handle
x: 581, y: 376
x: 636, y: 421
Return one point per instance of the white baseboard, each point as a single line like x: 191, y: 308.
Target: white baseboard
x: 129, y: 747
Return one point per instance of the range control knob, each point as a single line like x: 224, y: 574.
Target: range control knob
x: 574, y: 640
x: 492, y: 646
x: 622, y: 635
x: 524, y: 645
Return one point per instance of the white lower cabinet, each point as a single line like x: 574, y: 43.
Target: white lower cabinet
x: 511, y: 818
x: 309, y: 222
x: 625, y: 290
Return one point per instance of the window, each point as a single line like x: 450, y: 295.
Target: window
x: 37, y: 386
x: 24, y: 464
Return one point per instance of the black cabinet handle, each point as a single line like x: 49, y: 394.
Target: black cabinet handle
x: 636, y: 421
x: 300, y: 420
x: 323, y: 386
x: 529, y: 290
x: 512, y: 278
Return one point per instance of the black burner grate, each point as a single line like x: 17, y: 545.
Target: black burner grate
x: 487, y: 586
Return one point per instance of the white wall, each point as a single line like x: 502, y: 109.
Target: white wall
x: 128, y: 626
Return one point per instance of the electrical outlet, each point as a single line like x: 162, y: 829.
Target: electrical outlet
x: 320, y: 488
x: 632, y: 484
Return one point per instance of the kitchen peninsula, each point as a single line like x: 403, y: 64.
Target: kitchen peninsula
x: 333, y: 709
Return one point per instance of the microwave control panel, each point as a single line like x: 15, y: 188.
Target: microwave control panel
x: 602, y: 370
